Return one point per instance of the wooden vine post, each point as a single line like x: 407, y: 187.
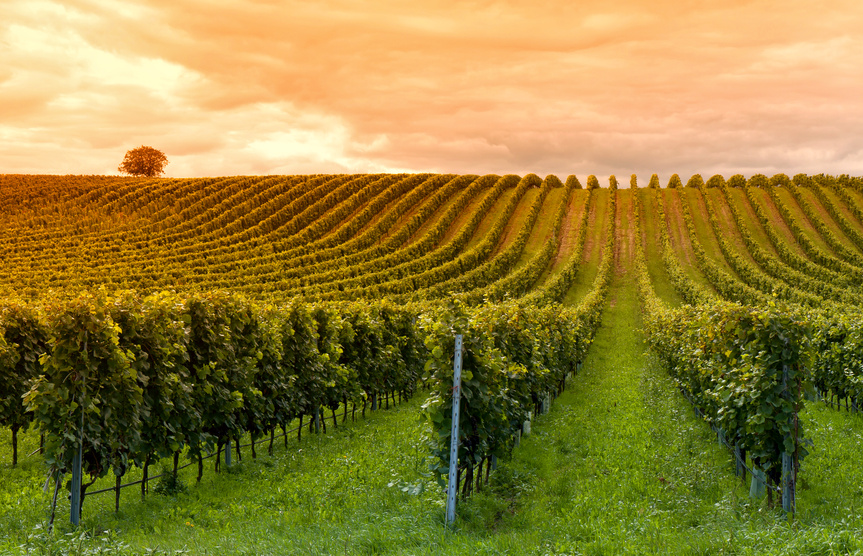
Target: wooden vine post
x: 452, y: 483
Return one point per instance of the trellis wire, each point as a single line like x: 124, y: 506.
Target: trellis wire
x: 208, y: 456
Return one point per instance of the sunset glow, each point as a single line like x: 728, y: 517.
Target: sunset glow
x: 279, y: 87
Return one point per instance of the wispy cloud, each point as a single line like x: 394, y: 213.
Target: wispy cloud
x: 233, y: 87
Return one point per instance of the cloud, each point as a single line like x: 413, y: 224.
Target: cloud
x: 618, y: 86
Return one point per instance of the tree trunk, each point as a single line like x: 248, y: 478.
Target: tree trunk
x: 146, y: 473
x: 117, y: 483
x: 14, y: 446
x: 176, y: 463
x: 216, y: 464
x: 254, y: 455
x: 345, y: 416
x: 200, y: 467
x: 468, y: 481
x: 57, y: 481
x: 84, y: 488
x: 457, y: 482
x: 272, y: 439
x: 239, y: 455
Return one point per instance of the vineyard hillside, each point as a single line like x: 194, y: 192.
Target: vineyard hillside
x: 149, y: 322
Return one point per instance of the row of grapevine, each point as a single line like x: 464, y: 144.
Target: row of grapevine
x: 776, y: 267
x: 742, y: 367
x: 515, y: 355
x: 727, y: 285
x: 132, y: 378
x: 517, y: 284
x: 499, y: 265
x: 690, y: 291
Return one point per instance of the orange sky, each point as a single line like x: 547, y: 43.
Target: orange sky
x: 228, y: 87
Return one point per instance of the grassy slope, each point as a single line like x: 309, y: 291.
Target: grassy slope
x: 703, y: 230
x: 492, y: 216
x: 593, y: 246
x: 727, y: 224
x: 658, y: 276
x: 519, y: 219
x: 619, y: 466
x: 679, y: 236
x: 542, y: 229
x: 843, y: 209
x: 809, y: 197
x: 459, y: 220
x: 803, y: 221
x: 568, y: 234
x: 763, y: 200
x: 751, y: 223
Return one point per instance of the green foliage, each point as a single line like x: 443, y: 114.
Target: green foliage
x: 612, y: 182
x: 695, y: 181
x: 23, y: 337
x: 592, y: 182
x: 88, y: 391
x: 758, y: 180
x: 169, y: 484
x: 572, y: 181
x: 715, y: 180
x: 633, y: 181
x: 674, y: 182
x: 737, y: 180
x: 654, y: 182
x: 780, y: 180
x: 531, y: 180
x: 553, y: 180
x: 744, y: 367
x: 512, y: 357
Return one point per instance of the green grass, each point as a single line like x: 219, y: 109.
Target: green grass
x: 542, y: 228
x: 679, y: 236
x: 750, y: 220
x: 619, y: 466
x: 594, y: 246
x: 652, y: 251
x: 703, y: 230
x: 803, y: 221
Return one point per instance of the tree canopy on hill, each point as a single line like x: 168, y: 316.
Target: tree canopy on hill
x: 144, y: 161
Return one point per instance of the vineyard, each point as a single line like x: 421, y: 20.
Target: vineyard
x: 152, y: 320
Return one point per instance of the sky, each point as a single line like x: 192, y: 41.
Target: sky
x: 230, y: 87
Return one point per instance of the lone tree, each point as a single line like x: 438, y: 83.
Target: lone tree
x: 144, y: 161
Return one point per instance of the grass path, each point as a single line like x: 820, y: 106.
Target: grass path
x: 620, y: 463
x: 622, y: 466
